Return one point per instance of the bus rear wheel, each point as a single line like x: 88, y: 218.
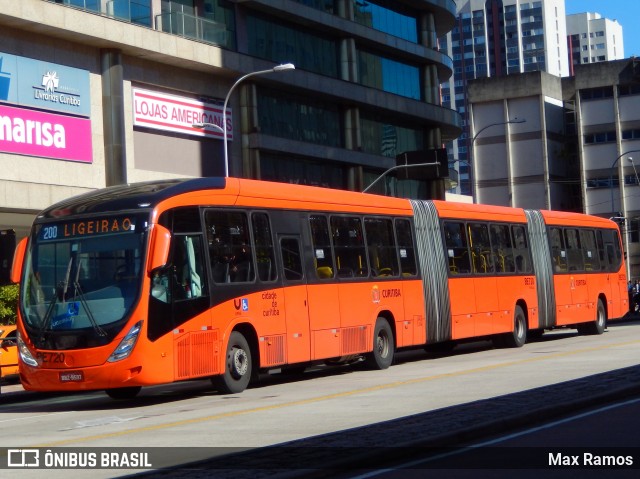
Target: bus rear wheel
x: 123, y: 393
x: 237, y: 367
x: 383, y: 346
x: 518, y: 336
x: 599, y: 325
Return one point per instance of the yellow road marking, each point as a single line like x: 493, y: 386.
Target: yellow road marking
x: 327, y: 397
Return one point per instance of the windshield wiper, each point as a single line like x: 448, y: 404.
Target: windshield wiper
x: 59, y: 293
x: 77, y: 291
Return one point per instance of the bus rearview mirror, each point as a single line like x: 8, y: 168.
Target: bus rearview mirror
x: 160, y: 243
x: 18, y: 260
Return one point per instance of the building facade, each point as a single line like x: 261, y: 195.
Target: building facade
x: 96, y: 92
x: 579, y: 149
x: 495, y: 38
x: 591, y: 39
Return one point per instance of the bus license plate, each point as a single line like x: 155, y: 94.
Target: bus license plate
x: 72, y: 377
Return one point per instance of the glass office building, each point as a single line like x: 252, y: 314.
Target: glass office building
x: 366, y: 89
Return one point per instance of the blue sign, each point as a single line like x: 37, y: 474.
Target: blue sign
x: 44, y: 85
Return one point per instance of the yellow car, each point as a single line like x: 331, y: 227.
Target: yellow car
x: 8, y: 351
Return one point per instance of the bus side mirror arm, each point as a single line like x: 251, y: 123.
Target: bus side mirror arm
x: 159, y: 247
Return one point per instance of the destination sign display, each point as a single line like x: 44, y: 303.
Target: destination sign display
x: 87, y: 228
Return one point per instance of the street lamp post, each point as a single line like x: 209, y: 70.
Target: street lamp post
x: 611, y: 175
x: 397, y: 167
x: 473, y: 157
x: 278, y: 68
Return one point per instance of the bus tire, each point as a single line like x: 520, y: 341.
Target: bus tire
x: 237, y: 366
x: 383, y: 346
x: 123, y: 393
x: 599, y: 325
x: 518, y: 336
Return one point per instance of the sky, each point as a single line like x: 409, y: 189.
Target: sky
x: 626, y: 12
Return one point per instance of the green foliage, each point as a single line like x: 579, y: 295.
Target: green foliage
x: 8, y: 303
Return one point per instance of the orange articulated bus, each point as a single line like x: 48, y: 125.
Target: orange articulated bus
x: 164, y: 281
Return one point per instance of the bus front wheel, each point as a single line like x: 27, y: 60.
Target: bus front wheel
x: 237, y: 366
x: 383, y: 346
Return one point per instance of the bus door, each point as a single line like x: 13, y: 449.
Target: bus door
x: 322, y: 291
x: 562, y: 281
x: 579, y: 307
x: 611, y: 257
x: 461, y: 283
x: 295, y: 300
x: 485, y: 283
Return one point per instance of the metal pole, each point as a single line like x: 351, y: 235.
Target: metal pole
x: 278, y: 68
x: 473, y: 158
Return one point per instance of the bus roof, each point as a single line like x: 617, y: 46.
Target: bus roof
x: 128, y: 197
x: 244, y: 192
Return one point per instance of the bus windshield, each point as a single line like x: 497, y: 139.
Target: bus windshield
x: 83, y: 274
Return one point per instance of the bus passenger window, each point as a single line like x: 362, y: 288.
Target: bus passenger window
x: 230, y: 249
x: 188, y: 274
x: 502, y: 249
x: 322, y: 252
x: 406, y: 249
x: 264, y: 247
x: 349, y: 247
x: 574, y: 250
x: 291, y: 259
x: 481, y: 257
x: 457, y: 252
x: 590, y: 250
x: 558, y: 252
x: 381, y: 247
x: 521, y: 249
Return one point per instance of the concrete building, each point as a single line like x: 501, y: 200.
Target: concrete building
x: 495, y: 38
x: 592, y: 39
x: 579, y: 149
x: 95, y: 93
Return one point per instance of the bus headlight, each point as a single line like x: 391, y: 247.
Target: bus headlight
x: 126, y: 345
x: 25, y: 353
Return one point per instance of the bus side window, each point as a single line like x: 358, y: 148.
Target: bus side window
x: 574, y: 250
x: 456, y: 243
x: 590, y: 251
x: 381, y: 247
x: 521, y: 249
x: 264, y: 247
x: 322, y: 251
x: 291, y: 259
x: 558, y: 253
x: 406, y: 248
x: 348, y: 242
x: 188, y: 274
x: 481, y: 257
x: 230, y: 249
x: 502, y: 249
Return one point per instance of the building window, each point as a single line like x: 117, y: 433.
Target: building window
x: 280, y: 43
x: 389, y: 75
x: 596, y: 93
x: 387, y: 17
x: 387, y: 138
x: 302, y: 171
x: 299, y: 118
x: 601, y: 137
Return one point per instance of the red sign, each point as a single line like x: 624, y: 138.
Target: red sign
x: 161, y: 111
